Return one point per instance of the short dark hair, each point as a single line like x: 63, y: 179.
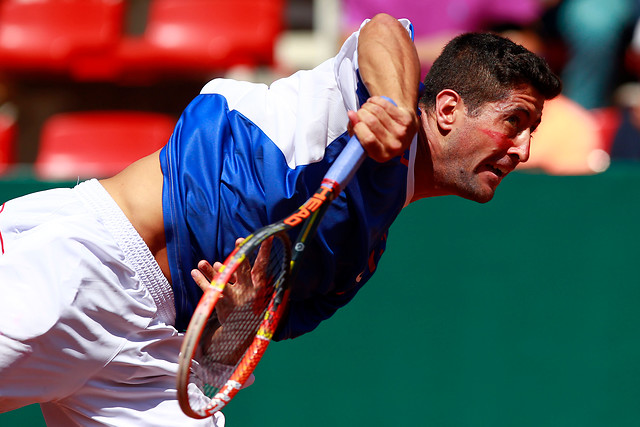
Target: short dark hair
x: 485, y: 67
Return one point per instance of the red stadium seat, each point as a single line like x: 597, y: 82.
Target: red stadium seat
x: 203, y: 37
x: 48, y: 35
x: 8, y: 130
x: 98, y: 144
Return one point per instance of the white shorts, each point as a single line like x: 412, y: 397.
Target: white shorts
x: 85, y: 315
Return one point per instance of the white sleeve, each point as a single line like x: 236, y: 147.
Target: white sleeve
x: 303, y: 113
x: 346, y: 66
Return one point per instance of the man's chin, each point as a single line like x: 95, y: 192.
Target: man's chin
x: 485, y: 199
x: 478, y: 196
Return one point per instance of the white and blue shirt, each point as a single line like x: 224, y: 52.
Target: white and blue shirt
x: 244, y: 155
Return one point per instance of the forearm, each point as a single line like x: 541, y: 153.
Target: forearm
x: 389, y: 66
x: 388, y: 61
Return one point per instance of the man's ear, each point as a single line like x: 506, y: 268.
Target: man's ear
x: 448, y: 103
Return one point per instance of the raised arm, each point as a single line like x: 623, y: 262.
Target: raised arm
x: 389, y: 66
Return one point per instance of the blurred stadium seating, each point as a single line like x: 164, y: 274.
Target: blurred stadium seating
x: 48, y: 36
x: 98, y: 144
x: 58, y: 56
x: 201, y: 38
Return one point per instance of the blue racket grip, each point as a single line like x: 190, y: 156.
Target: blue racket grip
x: 345, y: 166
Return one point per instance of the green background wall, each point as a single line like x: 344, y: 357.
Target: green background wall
x: 520, y: 312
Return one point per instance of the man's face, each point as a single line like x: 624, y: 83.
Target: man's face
x: 482, y: 148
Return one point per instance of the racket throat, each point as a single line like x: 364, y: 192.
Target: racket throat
x: 327, y: 192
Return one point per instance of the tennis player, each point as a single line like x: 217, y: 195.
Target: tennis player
x: 96, y: 280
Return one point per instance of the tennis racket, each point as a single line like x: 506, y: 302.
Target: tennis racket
x: 222, y: 348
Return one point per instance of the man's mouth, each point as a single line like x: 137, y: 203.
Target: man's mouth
x: 497, y: 170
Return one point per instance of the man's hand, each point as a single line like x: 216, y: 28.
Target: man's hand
x: 384, y: 130
x: 247, y: 291
x: 247, y: 284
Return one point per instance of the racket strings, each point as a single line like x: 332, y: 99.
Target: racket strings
x: 223, y: 347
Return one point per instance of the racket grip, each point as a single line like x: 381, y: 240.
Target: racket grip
x: 345, y: 166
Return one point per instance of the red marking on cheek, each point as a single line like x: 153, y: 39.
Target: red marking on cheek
x: 501, y: 140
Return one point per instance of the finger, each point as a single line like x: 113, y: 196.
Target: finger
x: 353, y: 120
x: 242, y: 275
x: 200, y: 279
x: 206, y: 269
x: 260, y: 266
x: 402, y: 122
x: 375, y: 140
x: 383, y: 102
x: 376, y: 131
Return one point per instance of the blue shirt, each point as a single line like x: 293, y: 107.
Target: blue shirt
x: 244, y: 155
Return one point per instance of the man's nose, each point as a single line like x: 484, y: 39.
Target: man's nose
x: 522, y: 145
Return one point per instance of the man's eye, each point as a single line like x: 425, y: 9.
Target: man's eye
x: 513, y: 120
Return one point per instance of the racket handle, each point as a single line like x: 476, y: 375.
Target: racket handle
x: 345, y: 166
x: 349, y: 160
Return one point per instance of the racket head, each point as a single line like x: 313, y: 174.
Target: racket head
x: 215, y: 362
